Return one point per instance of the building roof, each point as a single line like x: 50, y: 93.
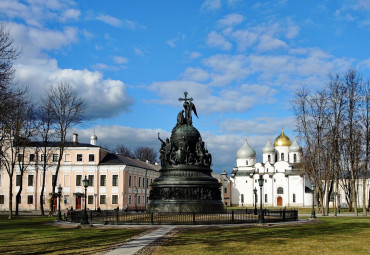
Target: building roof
x: 245, y: 152
x: 116, y: 159
x: 282, y: 140
x: 56, y: 144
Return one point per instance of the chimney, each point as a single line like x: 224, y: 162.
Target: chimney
x: 75, y: 138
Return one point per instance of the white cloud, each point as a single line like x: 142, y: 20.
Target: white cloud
x: 171, y: 42
x: 208, y: 100
x: 120, y: 60
x: 216, y: 40
x: 105, y: 97
x: 231, y: 20
x: 70, y: 14
x: 268, y: 43
x: 195, y: 74
x: 110, y: 20
x: 138, y: 52
x: 211, y: 5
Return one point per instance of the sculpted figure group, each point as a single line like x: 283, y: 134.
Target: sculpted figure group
x: 171, y: 154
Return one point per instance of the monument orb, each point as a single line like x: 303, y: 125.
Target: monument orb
x: 185, y: 183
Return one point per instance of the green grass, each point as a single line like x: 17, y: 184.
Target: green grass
x: 330, y: 236
x: 32, y: 235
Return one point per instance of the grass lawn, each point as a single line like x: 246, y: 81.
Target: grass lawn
x: 330, y: 236
x: 30, y: 235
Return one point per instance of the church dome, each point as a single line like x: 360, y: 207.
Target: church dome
x: 245, y: 151
x: 268, y: 148
x: 295, y: 147
x: 282, y: 140
x: 93, y: 137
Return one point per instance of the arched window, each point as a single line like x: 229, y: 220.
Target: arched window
x: 282, y: 156
x: 266, y: 198
x: 295, y: 158
x: 269, y: 158
x: 280, y: 190
x: 267, y: 170
x: 275, y: 157
x: 242, y: 198
x: 294, y: 196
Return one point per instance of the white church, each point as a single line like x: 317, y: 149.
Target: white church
x: 285, y: 184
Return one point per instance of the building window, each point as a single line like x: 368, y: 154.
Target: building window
x: 129, y: 199
x: 139, y: 199
x: 139, y: 182
x: 91, y: 157
x: 18, y: 180
x: 43, y: 199
x: 103, y: 180
x: 275, y: 157
x: 2, y: 199
x: 43, y: 157
x: 115, y: 180
x: 55, y: 157
x: 102, y: 199
x: 295, y: 158
x: 20, y: 157
x: 269, y: 158
x: 151, y: 181
x: 30, y: 180
x: 274, y: 180
x: 266, y: 201
x: 90, y: 199
x: 267, y: 170
x: 18, y: 199
x: 246, y: 162
x: 114, y: 199
x: 255, y: 181
x: 29, y: 199
x: 53, y: 179
x: 91, y: 180
x: 293, y: 198
x: 225, y: 190
x: 67, y: 200
x: 79, y: 157
x: 32, y: 158
x: 265, y: 180
x: 242, y: 198
x: 282, y: 156
x: 129, y: 180
x: 143, y: 182
x: 280, y: 190
x: 78, y: 180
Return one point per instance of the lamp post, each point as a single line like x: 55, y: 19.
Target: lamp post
x: 135, y: 192
x: 59, y: 195
x: 85, y: 219
x: 261, y: 216
x: 313, y: 214
x: 255, y: 200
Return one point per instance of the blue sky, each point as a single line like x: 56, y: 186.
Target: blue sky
x: 241, y: 61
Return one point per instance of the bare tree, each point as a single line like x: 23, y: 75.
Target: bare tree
x: 145, y: 153
x: 67, y: 110
x: 366, y: 130
x: 124, y: 151
x: 45, y: 131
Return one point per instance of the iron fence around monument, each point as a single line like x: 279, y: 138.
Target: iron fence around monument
x: 235, y: 216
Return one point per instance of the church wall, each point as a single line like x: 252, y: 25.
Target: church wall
x: 282, y: 149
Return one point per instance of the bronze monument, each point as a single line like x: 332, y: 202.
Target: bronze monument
x: 185, y: 183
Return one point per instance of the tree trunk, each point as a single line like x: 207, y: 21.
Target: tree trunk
x: 18, y: 196
x: 42, y: 190
x: 364, y: 212
x: 10, y: 197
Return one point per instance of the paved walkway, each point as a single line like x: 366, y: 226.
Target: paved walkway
x: 139, y: 243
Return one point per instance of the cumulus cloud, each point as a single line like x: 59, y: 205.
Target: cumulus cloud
x: 209, y: 100
x: 120, y: 60
x: 231, y: 20
x: 35, y: 13
x: 110, y: 20
x: 195, y: 74
x: 216, y: 40
x: 104, y: 97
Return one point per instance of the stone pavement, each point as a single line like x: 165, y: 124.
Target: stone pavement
x: 141, y: 242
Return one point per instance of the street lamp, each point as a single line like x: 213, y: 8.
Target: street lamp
x: 313, y: 214
x: 261, y: 216
x: 85, y: 219
x: 255, y: 200
x: 59, y: 195
x: 135, y: 192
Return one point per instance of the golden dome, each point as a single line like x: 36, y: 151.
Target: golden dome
x: 282, y: 140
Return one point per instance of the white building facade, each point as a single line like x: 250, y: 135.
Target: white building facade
x: 285, y: 183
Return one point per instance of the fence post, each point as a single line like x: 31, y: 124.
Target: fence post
x: 152, y: 217
x: 194, y: 218
x: 232, y: 216
x: 284, y: 214
x: 117, y: 215
x: 91, y: 217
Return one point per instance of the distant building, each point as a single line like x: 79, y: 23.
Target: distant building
x: 285, y: 183
x: 114, y: 180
